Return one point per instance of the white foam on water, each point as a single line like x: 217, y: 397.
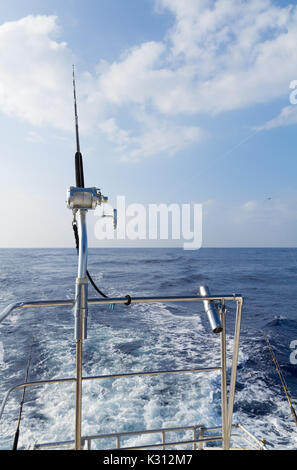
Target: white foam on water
x: 146, y: 337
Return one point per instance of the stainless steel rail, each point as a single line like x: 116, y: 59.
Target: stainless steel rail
x: 245, y: 436
x: 226, y: 405
x: 102, y: 377
x: 114, y: 300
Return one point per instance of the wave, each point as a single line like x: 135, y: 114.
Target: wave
x: 146, y: 337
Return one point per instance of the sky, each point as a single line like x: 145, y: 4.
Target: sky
x: 179, y: 102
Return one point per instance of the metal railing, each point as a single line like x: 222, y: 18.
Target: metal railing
x: 199, y: 442
x: 227, y: 402
x: 99, y: 377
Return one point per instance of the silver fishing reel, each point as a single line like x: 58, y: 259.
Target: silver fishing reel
x: 84, y: 198
x: 88, y: 199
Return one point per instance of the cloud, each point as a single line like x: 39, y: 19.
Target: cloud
x: 286, y: 117
x: 34, y: 72
x: 34, y: 138
x: 133, y: 79
x: 270, y: 211
x: 156, y: 137
x: 261, y: 222
x: 218, y: 56
x: 249, y: 205
x: 232, y: 53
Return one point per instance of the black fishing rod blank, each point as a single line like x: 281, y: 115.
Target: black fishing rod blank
x: 79, y: 170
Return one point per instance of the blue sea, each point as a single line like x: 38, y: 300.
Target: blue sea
x: 148, y: 337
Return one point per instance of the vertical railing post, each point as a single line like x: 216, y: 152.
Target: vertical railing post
x: 194, y: 438
x: 163, y: 439
x: 234, y: 367
x: 78, y: 395
x: 80, y: 315
x: 224, y: 405
x: 201, y: 435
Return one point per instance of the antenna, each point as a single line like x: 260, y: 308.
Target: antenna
x: 79, y: 171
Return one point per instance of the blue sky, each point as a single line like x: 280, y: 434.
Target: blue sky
x: 178, y: 102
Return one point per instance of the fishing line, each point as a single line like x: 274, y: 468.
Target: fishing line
x: 281, y: 377
x: 17, y: 433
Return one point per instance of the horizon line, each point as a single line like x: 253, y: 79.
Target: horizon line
x: 143, y: 247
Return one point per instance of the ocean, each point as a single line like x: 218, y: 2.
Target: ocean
x: 148, y: 337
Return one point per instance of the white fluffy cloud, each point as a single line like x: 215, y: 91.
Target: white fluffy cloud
x: 287, y: 116
x: 218, y: 56
x: 156, y: 137
x: 34, y: 72
x: 234, y: 53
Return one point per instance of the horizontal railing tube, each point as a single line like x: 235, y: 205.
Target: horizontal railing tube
x: 116, y: 300
x: 200, y: 441
x: 104, y: 377
x: 205, y: 297
x: 177, y: 443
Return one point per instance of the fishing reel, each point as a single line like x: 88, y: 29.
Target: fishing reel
x: 88, y: 199
x: 84, y: 198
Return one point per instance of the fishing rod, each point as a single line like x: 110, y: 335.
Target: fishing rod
x: 281, y: 377
x: 79, y: 170
x: 17, y: 433
x: 80, y: 200
x: 79, y: 176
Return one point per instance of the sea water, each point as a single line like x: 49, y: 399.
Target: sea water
x: 143, y: 337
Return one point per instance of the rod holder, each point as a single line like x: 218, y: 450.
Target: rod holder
x: 211, y: 311
x: 81, y: 309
